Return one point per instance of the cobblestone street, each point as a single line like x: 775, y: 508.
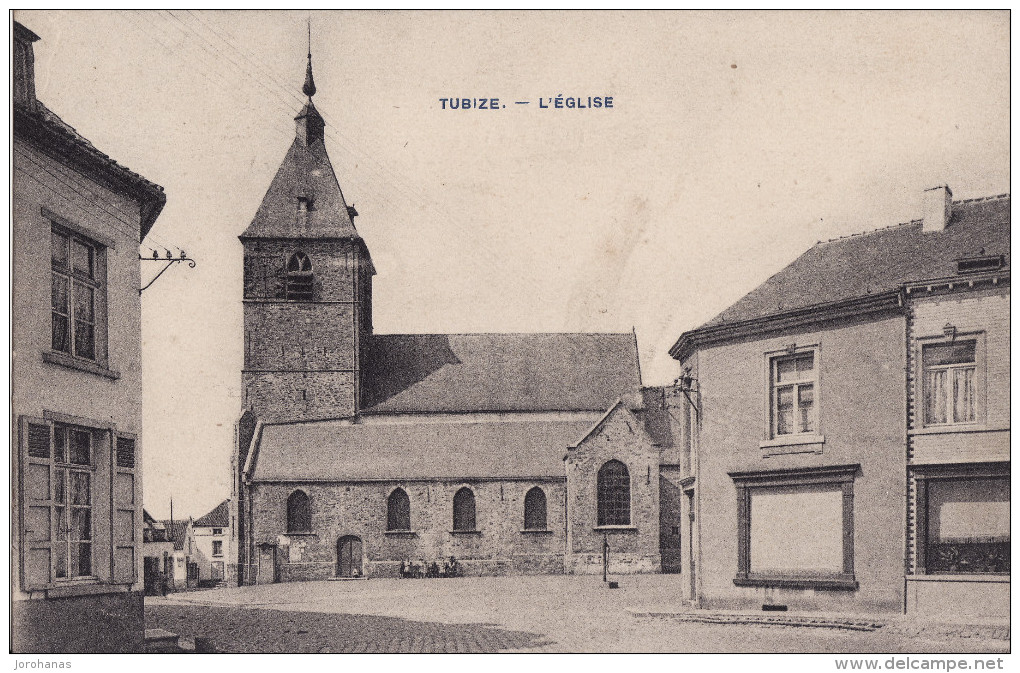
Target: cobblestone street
x: 529, y: 614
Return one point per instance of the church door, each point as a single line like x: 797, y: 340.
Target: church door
x: 348, y: 556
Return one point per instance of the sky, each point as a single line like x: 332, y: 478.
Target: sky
x: 736, y: 141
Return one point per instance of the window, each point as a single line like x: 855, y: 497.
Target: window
x: 464, y: 510
x: 963, y: 524
x: 217, y: 548
x: 614, y: 494
x: 534, y: 510
x: 299, y: 277
x: 949, y: 382
x: 217, y: 531
x: 792, y: 394
x: 75, y: 291
x: 57, y: 502
x: 398, y: 511
x: 795, y: 527
x: 299, y: 513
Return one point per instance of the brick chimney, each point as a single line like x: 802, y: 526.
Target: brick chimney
x: 24, y: 65
x: 938, y: 208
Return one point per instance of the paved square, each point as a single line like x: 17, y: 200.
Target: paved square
x: 494, y: 614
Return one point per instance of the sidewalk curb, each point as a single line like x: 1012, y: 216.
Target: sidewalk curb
x: 896, y: 624
x: 852, y: 624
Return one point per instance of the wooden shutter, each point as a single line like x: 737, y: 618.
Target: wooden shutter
x: 35, y: 491
x: 124, y: 509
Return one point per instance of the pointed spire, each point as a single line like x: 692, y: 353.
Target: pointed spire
x: 309, y: 87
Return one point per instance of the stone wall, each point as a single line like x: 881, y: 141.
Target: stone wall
x: 633, y: 548
x: 499, y: 546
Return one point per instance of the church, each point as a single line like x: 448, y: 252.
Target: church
x: 359, y: 452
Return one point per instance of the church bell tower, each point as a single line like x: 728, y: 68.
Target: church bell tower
x: 307, y: 288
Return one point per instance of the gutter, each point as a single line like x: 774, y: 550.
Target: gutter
x: 891, y: 301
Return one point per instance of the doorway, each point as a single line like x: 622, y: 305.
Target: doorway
x: 348, y: 556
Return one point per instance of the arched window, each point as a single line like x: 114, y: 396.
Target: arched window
x: 534, y: 510
x: 299, y: 277
x: 398, y: 511
x: 614, y: 494
x: 299, y: 513
x: 464, y: 510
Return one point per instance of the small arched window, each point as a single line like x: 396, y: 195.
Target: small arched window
x: 299, y: 277
x: 398, y: 511
x: 299, y: 513
x: 534, y: 510
x: 614, y: 494
x: 464, y: 510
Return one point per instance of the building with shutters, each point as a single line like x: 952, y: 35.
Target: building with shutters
x: 852, y: 446
x: 214, y: 544
x: 359, y: 453
x: 77, y: 220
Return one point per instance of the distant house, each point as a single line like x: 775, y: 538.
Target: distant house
x: 76, y: 382
x: 854, y: 421
x: 158, y: 555
x: 185, y: 567
x: 213, y: 538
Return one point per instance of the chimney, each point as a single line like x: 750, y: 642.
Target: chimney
x: 24, y: 65
x: 938, y: 208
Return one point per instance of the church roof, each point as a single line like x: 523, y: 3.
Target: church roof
x: 341, y: 451
x: 305, y: 172
x: 449, y: 373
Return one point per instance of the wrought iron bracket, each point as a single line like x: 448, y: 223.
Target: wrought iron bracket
x: 170, y: 261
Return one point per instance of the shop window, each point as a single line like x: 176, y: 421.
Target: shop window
x: 964, y: 526
x: 795, y: 528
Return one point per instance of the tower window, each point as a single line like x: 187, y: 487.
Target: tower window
x: 304, y: 204
x: 299, y: 277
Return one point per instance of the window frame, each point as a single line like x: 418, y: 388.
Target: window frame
x: 747, y: 482
x: 600, y: 519
x: 474, y: 511
x: 772, y: 386
x: 390, y: 511
x: 545, y: 510
x: 215, y: 544
x: 292, y: 515
x: 923, y: 476
x: 299, y: 284
x: 980, y: 379
x: 73, y: 279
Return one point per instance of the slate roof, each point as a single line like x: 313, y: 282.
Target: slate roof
x: 219, y: 517
x: 55, y: 136
x: 341, y: 451
x: 879, y: 261
x: 436, y: 373
x: 306, y: 171
x: 178, y: 530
